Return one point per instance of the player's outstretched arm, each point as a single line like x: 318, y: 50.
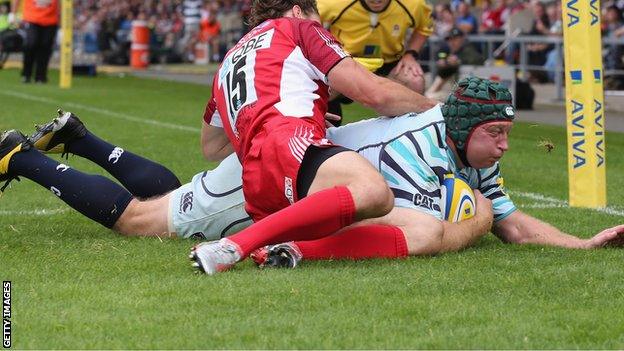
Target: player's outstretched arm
x: 520, y: 228
x: 383, y: 95
x: 458, y: 236
x: 214, y: 142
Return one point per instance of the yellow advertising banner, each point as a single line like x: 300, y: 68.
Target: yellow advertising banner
x: 584, y: 103
x: 67, y: 30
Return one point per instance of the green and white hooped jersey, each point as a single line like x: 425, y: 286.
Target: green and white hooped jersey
x: 411, y: 153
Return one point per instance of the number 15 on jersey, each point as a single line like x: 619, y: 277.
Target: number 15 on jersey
x: 237, y: 75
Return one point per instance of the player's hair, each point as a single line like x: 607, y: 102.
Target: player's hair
x: 262, y: 10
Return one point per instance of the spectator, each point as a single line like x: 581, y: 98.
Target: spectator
x: 4, y: 17
x: 491, y: 21
x: 537, y: 52
x: 192, y: 17
x: 466, y: 21
x: 553, y: 57
x: 163, y: 48
x: 457, y: 51
x: 613, y: 27
x: 230, y: 19
x: 89, y: 28
x: 445, y: 21
x: 40, y: 23
x: 511, y: 7
x: 209, y: 33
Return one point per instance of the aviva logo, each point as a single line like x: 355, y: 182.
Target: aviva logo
x: 576, y: 77
x: 597, y: 76
x: 573, y: 12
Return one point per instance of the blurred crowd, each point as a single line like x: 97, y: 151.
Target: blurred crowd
x: 179, y: 27
x: 494, y: 16
x: 176, y: 27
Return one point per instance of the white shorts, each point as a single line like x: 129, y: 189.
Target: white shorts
x: 211, y: 206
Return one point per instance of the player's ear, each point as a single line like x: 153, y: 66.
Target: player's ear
x: 297, y: 12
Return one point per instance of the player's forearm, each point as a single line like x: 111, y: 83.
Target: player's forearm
x: 416, y: 42
x: 458, y: 236
x: 383, y: 95
x: 551, y: 236
x: 396, y: 100
x: 529, y: 230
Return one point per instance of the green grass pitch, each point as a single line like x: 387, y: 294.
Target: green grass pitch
x: 78, y: 285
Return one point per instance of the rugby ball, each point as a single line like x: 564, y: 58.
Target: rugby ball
x: 457, y: 199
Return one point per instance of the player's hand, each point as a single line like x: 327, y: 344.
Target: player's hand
x: 409, y: 64
x: 613, y: 237
x: 12, y: 18
x: 483, y: 209
x: 329, y: 118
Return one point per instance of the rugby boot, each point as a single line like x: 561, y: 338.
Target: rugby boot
x: 286, y: 255
x: 11, y: 142
x: 214, y: 256
x: 52, y: 137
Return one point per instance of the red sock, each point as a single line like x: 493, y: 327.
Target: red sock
x: 370, y: 241
x: 313, y: 217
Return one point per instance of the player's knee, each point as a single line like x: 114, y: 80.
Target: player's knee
x: 145, y: 218
x: 127, y: 224
x: 385, y: 200
x: 424, y: 237
x: 374, y: 196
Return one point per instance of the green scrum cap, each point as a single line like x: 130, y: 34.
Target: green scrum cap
x: 474, y: 101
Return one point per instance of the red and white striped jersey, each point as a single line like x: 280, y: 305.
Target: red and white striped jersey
x: 277, y: 70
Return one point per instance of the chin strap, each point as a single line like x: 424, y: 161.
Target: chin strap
x: 462, y: 156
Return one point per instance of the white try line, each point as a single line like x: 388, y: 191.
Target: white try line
x: 36, y: 212
x: 543, y: 201
x: 102, y: 111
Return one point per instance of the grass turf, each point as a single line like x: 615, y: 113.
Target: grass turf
x: 79, y: 285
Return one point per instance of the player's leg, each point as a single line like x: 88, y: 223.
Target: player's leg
x: 96, y: 197
x: 370, y: 193
x: 344, y: 187
x: 211, y: 206
x: 145, y: 218
x: 142, y: 177
x: 400, y: 233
